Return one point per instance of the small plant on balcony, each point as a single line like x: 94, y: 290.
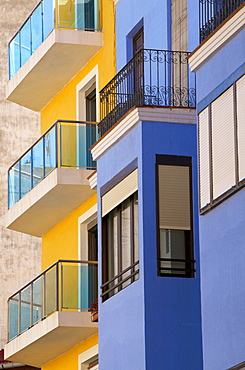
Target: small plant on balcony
x: 94, y: 310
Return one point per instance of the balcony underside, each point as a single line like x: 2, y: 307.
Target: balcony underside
x: 51, y: 67
x: 50, y: 338
x: 49, y: 202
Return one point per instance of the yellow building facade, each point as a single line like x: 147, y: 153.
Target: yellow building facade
x: 52, y: 187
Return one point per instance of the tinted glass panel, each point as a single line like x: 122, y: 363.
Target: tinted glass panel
x: 50, y: 151
x: 25, y: 174
x: 38, y: 156
x: 25, y: 39
x: 13, y: 307
x: 36, y: 26
x: 25, y: 309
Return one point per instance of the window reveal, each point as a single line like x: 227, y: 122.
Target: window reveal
x: 120, y: 247
x: 175, y: 239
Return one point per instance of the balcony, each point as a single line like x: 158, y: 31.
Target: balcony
x: 49, y: 316
x: 50, y: 179
x: 152, y: 78
x: 57, y: 39
x: 213, y: 13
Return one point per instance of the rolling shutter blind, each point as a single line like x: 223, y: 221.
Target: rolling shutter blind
x: 223, y: 148
x: 174, y: 197
x: 204, y: 158
x: 120, y: 192
x: 94, y: 367
x: 240, y: 90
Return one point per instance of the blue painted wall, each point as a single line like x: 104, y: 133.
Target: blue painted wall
x: 155, y: 16
x: 122, y: 317
x: 220, y: 66
x: 193, y: 24
x: 156, y: 321
x: 222, y: 234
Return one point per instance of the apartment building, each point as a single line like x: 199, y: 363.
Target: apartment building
x: 219, y: 63
x: 149, y: 269
x: 135, y: 185
x: 20, y: 255
x: 58, y: 62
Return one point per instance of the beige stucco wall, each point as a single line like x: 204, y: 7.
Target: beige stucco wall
x: 20, y: 255
x: 179, y: 25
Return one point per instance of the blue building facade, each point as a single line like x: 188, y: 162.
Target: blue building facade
x: 147, y: 181
x: 219, y: 64
x: 155, y: 319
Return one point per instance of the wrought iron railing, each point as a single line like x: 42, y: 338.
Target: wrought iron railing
x: 64, y: 144
x: 64, y: 286
x: 152, y: 77
x: 46, y: 16
x: 176, y: 267
x: 213, y: 12
x: 120, y: 281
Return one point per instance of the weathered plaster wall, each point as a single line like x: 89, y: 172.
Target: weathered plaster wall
x: 179, y: 25
x: 20, y: 255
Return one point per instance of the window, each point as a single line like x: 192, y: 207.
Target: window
x: 87, y: 98
x: 89, y: 359
x: 221, y: 146
x: 87, y: 235
x: 93, y: 365
x: 174, y: 199
x: 120, y: 236
x: 93, y: 242
x: 91, y: 104
x: 88, y: 251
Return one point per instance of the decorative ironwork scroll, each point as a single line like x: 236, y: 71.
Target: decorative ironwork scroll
x: 152, y: 77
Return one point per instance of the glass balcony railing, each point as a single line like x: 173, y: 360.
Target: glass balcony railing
x: 64, y: 145
x: 64, y: 286
x: 46, y: 16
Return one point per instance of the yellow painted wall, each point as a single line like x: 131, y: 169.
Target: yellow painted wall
x: 63, y: 105
x: 69, y: 361
x: 61, y: 242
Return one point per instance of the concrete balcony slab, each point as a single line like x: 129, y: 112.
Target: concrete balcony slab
x: 50, y: 338
x: 49, y: 202
x: 59, y: 58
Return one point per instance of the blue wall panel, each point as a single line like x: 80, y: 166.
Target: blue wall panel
x: 222, y: 233
x: 156, y: 320
x: 155, y: 16
x: 222, y: 236
x: 173, y: 321
x: 122, y: 317
x: 220, y: 65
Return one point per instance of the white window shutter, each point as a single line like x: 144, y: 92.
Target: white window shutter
x: 174, y: 197
x: 204, y: 157
x: 120, y: 192
x: 223, y: 148
x: 240, y: 91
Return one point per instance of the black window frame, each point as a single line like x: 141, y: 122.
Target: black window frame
x: 111, y: 286
x: 189, y: 270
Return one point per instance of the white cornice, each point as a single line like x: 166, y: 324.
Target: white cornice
x: 155, y: 114
x: 222, y: 35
